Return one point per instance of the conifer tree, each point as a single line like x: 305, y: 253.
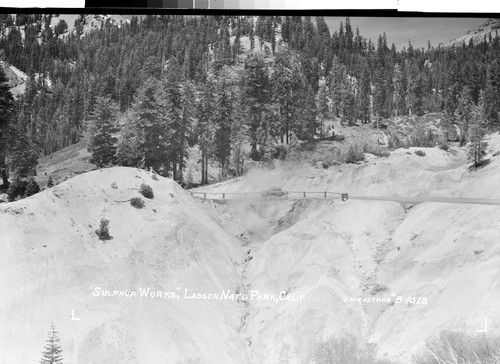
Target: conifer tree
x: 337, y: 83
x: 236, y: 49
x: 397, y: 89
x: 204, y: 128
x: 322, y: 109
x: 283, y: 90
x: 128, y: 152
x: 464, y: 113
x: 349, y: 105
x: 477, y: 132
x: 103, y: 129
x: 172, y: 117
x: 273, y: 36
x: 222, y: 118
x: 418, y: 92
x: 226, y: 44
x: 252, y: 35
x: 452, y: 88
x: 239, y: 133
x: 6, y: 115
x: 22, y: 153
x: 364, y: 111
x: 256, y: 90
x: 188, y: 118
x: 52, y: 352
x: 491, y: 95
x: 152, y: 134
x: 308, y: 114
x: 266, y: 141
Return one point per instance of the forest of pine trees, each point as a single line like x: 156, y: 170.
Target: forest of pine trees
x: 148, y: 89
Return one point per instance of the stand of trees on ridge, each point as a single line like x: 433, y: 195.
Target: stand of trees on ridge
x: 148, y: 89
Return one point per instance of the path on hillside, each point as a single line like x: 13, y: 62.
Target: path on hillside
x: 331, y: 196
x: 415, y: 200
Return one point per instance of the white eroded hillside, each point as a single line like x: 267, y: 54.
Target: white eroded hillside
x: 438, y: 174
x: 52, y: 262
x: 328, y: 268
x: 443, y: 258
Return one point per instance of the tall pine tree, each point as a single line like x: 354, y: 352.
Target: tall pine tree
x: 239, y: 133
x: 204, y: 129
x: 256, y: 91
x: 6, y: 115
x: 222, y: 137
x: 103, y: 128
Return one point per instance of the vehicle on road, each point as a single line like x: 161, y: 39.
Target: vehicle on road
x: 274, y: 192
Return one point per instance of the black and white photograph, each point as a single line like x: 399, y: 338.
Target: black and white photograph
x: 249, y: 187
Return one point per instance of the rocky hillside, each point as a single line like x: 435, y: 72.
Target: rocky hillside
x: 490, y: 28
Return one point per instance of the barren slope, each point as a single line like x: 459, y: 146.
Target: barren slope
x: 52, y: 263
x: 333, y: 253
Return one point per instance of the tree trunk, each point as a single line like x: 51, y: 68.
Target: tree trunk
x: 181, y: 157
x: 174, y: 170
x: 3, y: 169
x: 287, y: 131
x: 223, y: 169
x: 206, y: 168
x: 203, y: 166
x: 5, y: 178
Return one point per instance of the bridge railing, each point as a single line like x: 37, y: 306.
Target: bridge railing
x: 344, y: 196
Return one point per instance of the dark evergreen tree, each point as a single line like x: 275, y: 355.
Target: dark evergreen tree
x: 6, y: 116
x: 173, y: 118
x: 103, y: 127
x: 477, y: 132
x: 323, y: 112
x: 381, y: 96
x: 418, y: 94
x: 188, y: 119
x: 337, y: 84
x: 398, y: 100
x: 349, y: 105
x: 464, y: 113
x: 252, y: 36
x: 308, y: 116
x: 285, y: 87
x: 256, y: 91
x: 151, y: 132
x: 364, y: 107
x: 22, y: 153
x: 239, y: 133
x: 491, y: 96
x: 205, y: 127
x: 129, y: 149
x: 222, y: 117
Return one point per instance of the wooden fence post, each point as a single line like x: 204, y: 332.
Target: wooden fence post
x: 325, y: 194
x: 223, y: 196
x: 304, y: 194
